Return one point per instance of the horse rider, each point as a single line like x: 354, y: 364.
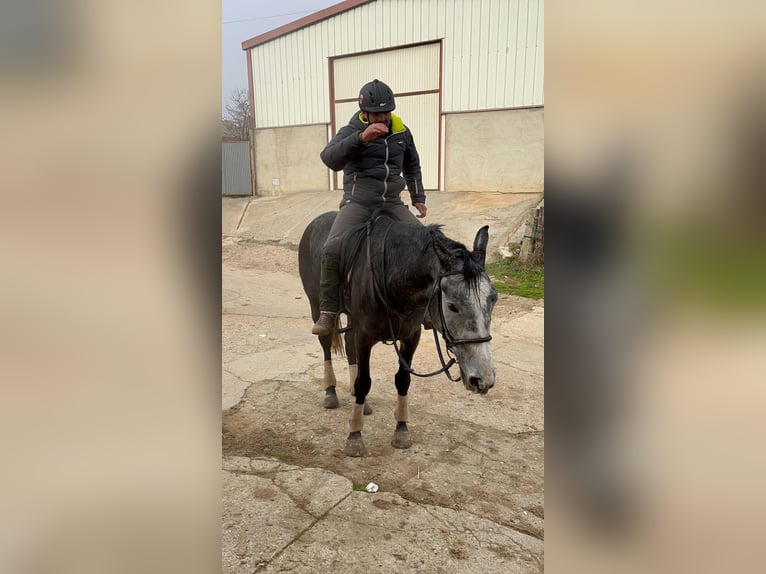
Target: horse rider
x: 373, y: 150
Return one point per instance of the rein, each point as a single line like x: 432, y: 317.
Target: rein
x: 449, y: 340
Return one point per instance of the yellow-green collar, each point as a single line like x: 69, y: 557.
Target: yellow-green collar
x: 397, y: 125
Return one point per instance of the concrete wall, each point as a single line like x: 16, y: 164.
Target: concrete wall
x: 495, y: 151
x: 291, y: 155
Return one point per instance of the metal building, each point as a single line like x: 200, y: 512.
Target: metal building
x: 467, y: 75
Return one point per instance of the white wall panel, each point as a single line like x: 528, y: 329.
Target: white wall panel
x: 418, y: 70
x: 344, y: 111
x: 420, y: 115
x: 406, y: 70
x: 493, y: 55
x: 538, y: 96
x: 522, y: 45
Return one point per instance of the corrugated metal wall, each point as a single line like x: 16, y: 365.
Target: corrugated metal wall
x: 235, y: 168
x: 493, y: 55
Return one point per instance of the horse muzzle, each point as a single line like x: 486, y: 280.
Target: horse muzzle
x: 477, y: 383
x: 477, y: 369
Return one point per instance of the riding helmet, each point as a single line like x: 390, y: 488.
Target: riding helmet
x: 376, y: 96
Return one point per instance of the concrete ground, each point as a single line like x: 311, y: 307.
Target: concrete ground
x: 282, y: 219
x: 468, y: 495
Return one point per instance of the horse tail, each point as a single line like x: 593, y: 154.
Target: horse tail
x: 337, y: 339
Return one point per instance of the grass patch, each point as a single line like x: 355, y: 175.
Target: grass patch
x: 283, y: 457
x: 721, y: 272
x: 357, y: 487
x: 525, y: 279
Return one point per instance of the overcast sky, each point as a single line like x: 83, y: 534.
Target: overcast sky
x: 243, y: 19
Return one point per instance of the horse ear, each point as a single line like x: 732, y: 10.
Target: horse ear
x: 480, y: 244
x: 444, y: 254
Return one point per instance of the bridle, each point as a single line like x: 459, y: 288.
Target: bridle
x: 449, y: 340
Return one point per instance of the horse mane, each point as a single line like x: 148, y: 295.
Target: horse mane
x: 456, y: 257
x: 462, y: 259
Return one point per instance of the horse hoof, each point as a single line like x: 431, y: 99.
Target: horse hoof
x: 355, y: 447
x: 401, y: 440
x: 331, y: 402
x: 367, y: 409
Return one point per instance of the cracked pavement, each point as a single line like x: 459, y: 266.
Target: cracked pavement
x: 467, y: 497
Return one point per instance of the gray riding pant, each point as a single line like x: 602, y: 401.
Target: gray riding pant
x: 352, y: 214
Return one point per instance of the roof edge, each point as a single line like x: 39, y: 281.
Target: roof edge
x: 303, y: 22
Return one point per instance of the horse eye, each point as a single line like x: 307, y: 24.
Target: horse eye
x: 452, y: 308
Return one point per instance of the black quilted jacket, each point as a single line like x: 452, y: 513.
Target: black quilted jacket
x: 372, y: 172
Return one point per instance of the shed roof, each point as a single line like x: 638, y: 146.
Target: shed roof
x: 328, y: 12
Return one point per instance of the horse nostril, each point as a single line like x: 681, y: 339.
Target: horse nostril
x: 475, y: 382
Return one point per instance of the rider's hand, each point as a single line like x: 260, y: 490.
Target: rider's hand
x: 372, y: 132
x: 421, y: 207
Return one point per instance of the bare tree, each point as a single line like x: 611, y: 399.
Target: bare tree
x: 237, y: 115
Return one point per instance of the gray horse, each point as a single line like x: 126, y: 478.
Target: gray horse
x: 396, y: 277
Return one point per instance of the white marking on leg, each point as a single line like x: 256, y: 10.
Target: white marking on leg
x: 357, y: 419
x: 329, y: 375
x: 402, y: 411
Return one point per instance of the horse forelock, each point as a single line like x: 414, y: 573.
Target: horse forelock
x: 462, y: 262
x: 472, y: 271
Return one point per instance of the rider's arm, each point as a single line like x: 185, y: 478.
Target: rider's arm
x: 342, y: 148
x: 412, y: 174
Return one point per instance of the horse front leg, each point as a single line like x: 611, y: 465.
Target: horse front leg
x: 354, y: 443
x: 352, y: 368
x: 328, y: 380
x: 402, y: 381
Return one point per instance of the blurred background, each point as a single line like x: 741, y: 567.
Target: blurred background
x: 655, y: 132
x: 110, y: 292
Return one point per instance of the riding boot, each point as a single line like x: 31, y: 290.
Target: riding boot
x: 329, y: 296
